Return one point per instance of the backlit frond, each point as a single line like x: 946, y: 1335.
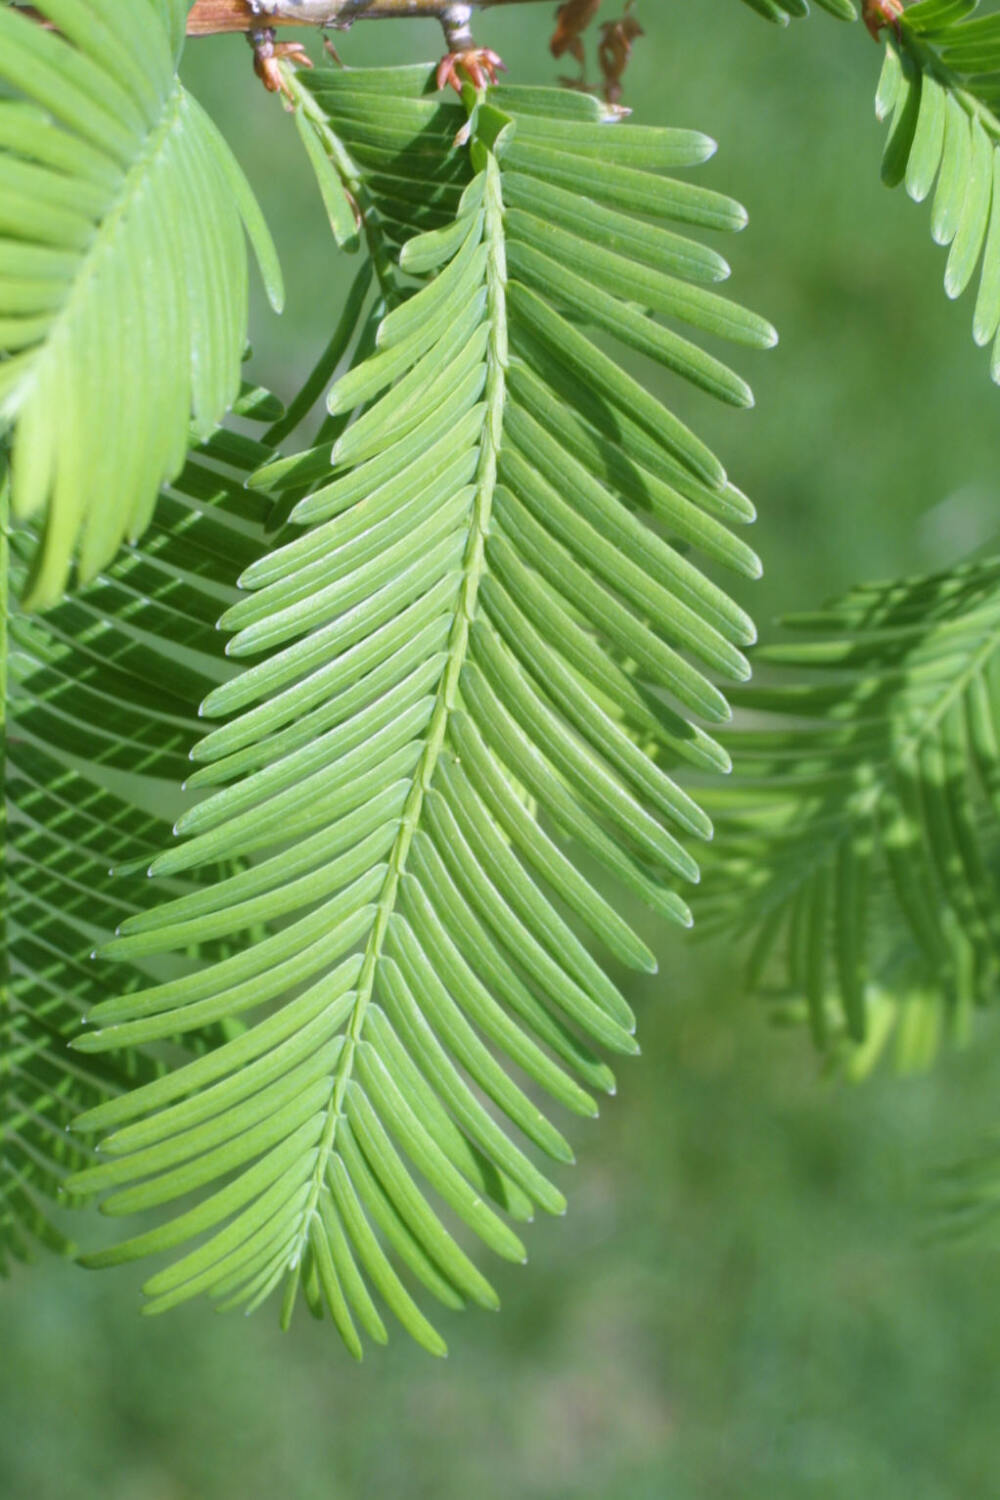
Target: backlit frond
x: 123, y: 279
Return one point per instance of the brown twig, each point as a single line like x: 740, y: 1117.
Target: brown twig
x: 215, y: 17
x: 211, y: 17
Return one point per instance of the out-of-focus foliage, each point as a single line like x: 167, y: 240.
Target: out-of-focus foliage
x: 858, y: 837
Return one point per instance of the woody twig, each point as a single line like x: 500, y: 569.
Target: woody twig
x: 212, y: 17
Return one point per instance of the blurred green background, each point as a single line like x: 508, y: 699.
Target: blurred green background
x: 736, y: 1304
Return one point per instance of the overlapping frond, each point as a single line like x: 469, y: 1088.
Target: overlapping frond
x: 473, y: 662
x: 106, y: 683
x: 783, y: 11
x: 858, y: 839
x: 123, y: 278
x: 940, y: 94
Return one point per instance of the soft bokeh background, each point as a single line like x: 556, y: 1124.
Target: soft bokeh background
x: 736, y: 1304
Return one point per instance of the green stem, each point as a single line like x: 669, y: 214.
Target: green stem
x: 447, y: 694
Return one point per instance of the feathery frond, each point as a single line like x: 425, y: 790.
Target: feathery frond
x: 106, y: 683
x: 940, y: 94
x: 858, y: 840
x: 123, y: 278
x: 483, y: 638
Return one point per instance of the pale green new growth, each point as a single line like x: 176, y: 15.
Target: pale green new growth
x: 470, y: 676
x: 440, y: 658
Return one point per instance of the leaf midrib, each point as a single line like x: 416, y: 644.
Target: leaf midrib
x: 457, y: 651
